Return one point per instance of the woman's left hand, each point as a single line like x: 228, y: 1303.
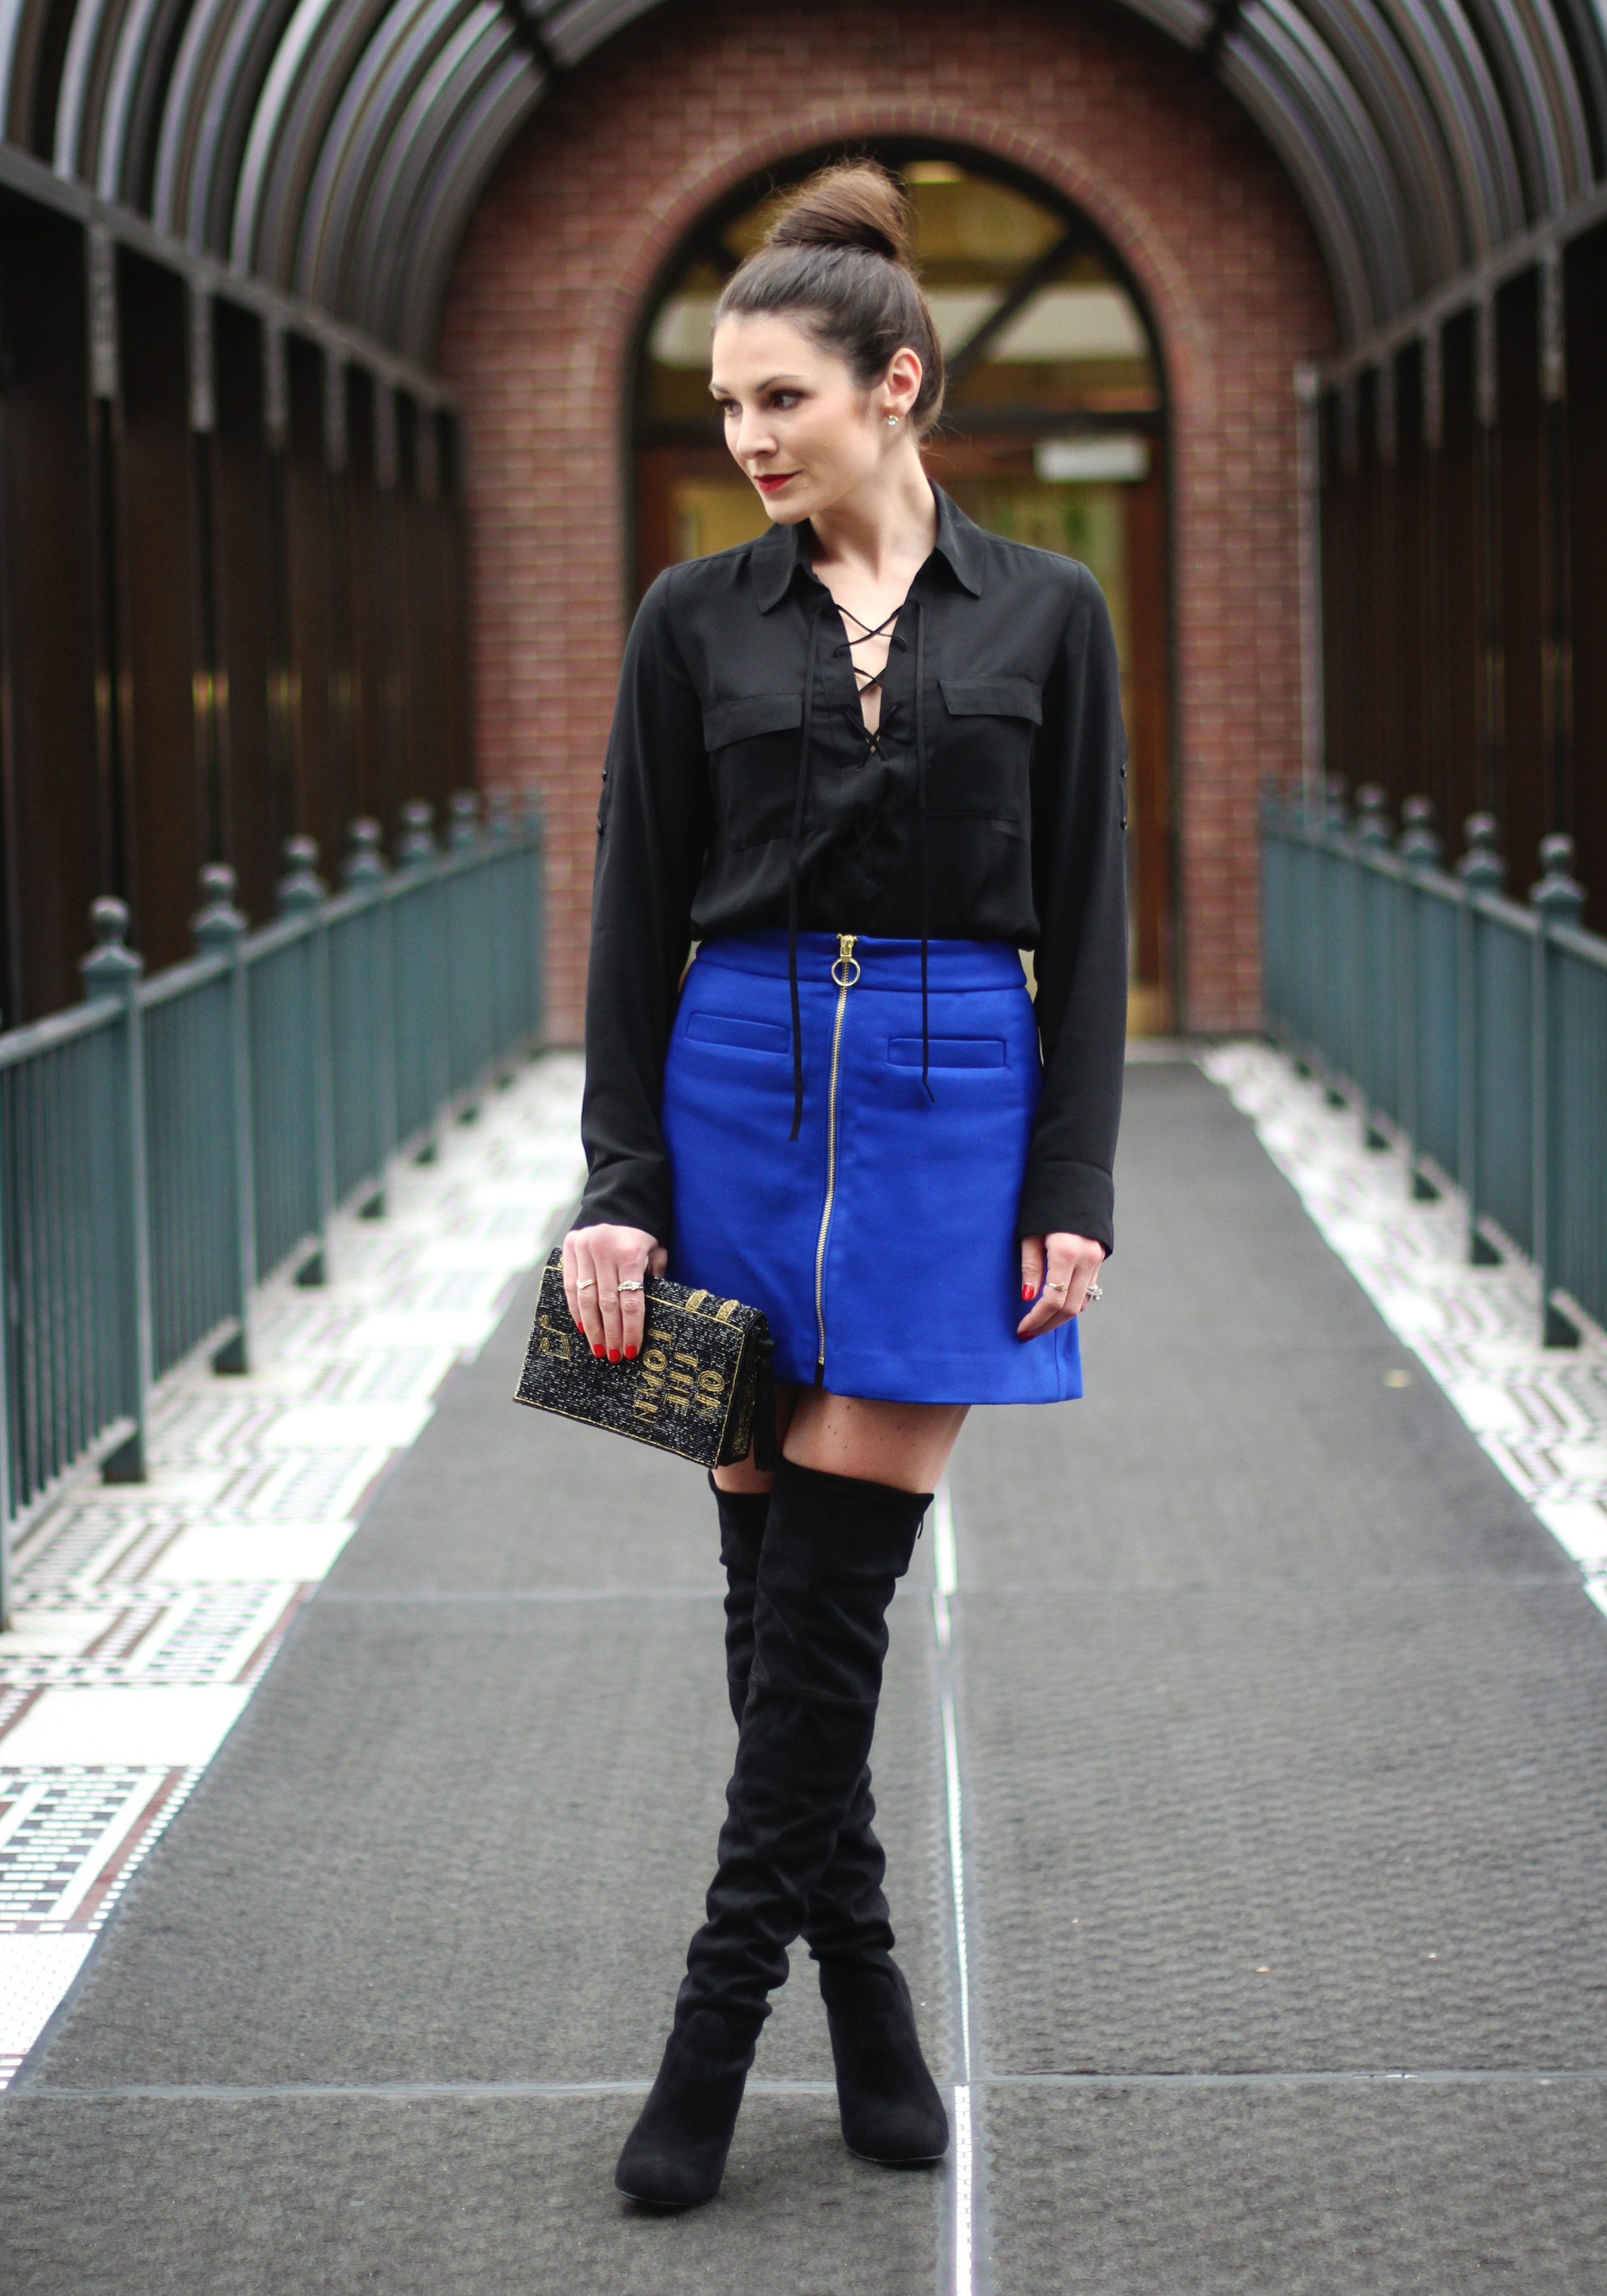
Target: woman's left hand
x: 1057, y: 1271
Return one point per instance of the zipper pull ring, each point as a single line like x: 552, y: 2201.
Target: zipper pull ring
x: 845, y: 958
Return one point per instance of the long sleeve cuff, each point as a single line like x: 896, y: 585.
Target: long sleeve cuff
x: 1064, y: 1198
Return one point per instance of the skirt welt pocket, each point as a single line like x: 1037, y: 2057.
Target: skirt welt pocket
x: 948, y: 1052
x: 728, y: 1028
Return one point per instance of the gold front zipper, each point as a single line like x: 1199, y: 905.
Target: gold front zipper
x: 845, y: 973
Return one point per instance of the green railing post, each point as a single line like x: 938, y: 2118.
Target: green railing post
x: 1272, y: 926
x: 503, y: 902
x: 219, y: 931
x: 1329, y: 972
x: 301, y: 895
x: 1372, y: 836
x: 365, y: 871
x: 1558, y: 903
x: 1481, y: 870
x: 418, y: 858
x: 1419, y: 850
x: 469, y: 957
x: 112, y: 976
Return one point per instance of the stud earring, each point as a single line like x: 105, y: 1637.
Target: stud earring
x: 892, y: 422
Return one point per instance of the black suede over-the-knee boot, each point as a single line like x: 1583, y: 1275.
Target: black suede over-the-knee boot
x: 833, y: 1550
x: 847, y: 1921
x: 890, y: 2108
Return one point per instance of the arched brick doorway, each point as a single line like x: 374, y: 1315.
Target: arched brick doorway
x: 574, y: 240
x: 1054, y: 433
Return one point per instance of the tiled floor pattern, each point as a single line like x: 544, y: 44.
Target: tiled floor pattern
x: 1540, y: 1413
x: 145, y: 1614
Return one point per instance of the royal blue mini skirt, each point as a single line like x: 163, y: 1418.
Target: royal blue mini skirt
x: 881, y: 1241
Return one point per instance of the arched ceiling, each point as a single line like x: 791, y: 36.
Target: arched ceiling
x: 335, y: 149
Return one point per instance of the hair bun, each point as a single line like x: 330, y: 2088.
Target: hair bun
x: 853, y: 204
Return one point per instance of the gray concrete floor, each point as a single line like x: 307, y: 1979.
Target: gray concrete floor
x: 1281, y: 1726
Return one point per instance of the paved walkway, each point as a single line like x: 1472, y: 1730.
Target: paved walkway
x: 1242, y: 1764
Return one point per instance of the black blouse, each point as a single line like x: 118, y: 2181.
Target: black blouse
x: 741, y: 790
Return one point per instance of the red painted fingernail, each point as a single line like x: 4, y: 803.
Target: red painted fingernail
x: 630, y: 1355
x: 613, y: 1354
x: 1029, y: 1290
x: 596, y: 1351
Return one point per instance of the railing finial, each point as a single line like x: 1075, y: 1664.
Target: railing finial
x: 1558, y: 895
x: 217, y: 925
x: 1419, y: 847
x: 499, y: 814
x: 1372, y: 827
x: 111, y: 963
x: 365, y: 864
x: 466, y: 821
x: 300, y: 887
x: 1481, y: 867
x: 418, y: 843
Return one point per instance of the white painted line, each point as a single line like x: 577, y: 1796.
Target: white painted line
x: 34, y: 1972
x: 342, y: 1426
x: 956, y: 1873
x: 180, y: 1728
x: 946, y: 1564
x: 943, y: 1560
x: 962, y: 2173
x: 218, y: 1552
x: 945, y: 1555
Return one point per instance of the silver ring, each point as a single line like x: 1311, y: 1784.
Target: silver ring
x: 628, y: 1286
x: 587, y: 1283
x: 1092, y: 1293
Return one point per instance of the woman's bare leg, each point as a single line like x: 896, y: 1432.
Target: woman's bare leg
x: 903, y: 1445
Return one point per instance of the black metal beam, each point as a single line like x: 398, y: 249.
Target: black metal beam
x: 21, y: 173
x: 1225, y: 16
x: 533, y: 40
x: 1036, y: 276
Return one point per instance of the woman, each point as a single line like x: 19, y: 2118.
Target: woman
x: 861, y: 762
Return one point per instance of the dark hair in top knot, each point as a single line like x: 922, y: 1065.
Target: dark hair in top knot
x: 837, y: 260
x: 850, y: 205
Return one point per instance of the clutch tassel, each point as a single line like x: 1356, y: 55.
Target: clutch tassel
x: 764, y: 1409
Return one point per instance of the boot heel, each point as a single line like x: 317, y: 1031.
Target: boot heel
x: 888, y: 2100
x: 675, y: 2156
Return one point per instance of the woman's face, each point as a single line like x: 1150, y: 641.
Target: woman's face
x: 796, y: 420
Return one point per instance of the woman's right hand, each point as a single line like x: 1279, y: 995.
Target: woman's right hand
x: 596, y: 1261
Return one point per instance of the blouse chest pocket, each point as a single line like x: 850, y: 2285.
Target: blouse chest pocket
x: 752, y: 745
x: 981, y: 762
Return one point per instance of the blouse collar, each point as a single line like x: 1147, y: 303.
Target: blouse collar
x: 777, y: 555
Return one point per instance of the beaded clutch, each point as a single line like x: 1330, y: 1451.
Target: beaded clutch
x: 702, y: 1386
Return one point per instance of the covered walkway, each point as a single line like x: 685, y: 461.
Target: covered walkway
x: 1244, y: 1803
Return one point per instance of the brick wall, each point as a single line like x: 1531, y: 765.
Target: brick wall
x: 596, y: 196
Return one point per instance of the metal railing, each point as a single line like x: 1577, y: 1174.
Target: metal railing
x: 169, y: 1141
x: 1471, y: 1025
